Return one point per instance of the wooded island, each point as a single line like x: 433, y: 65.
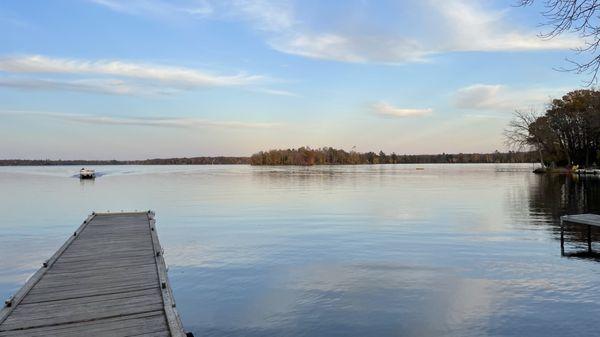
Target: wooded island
x: 329, y: 156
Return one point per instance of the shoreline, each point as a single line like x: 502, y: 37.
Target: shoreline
x: 246, y: 164
x: 564, y: 170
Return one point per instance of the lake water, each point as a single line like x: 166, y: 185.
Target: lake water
x: 388, y: 250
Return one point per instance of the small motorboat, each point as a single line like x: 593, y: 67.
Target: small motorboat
x: 85, y: 173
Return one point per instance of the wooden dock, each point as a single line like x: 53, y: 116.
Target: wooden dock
x: 108, y: 279
x: 587, y: 219
x: 587, y: 171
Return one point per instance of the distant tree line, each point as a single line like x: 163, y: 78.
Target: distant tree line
x: 301, y: 156
x: 330, y: 156
x: 567, y: 134
x: 167, y: 161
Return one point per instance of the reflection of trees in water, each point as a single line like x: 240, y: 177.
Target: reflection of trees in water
x: 557, y: 195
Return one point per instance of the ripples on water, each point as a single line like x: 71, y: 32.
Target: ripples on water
x: 389, y: 250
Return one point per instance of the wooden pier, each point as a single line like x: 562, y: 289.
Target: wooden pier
x: 587, y: 171
x: 108, y: 279
x: 589, y: 220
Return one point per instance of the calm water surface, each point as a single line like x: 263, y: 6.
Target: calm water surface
x: 451, y: 250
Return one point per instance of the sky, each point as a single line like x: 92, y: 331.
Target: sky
x: 136, y: 79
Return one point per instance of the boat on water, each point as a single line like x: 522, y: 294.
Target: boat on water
x: 85, y: 173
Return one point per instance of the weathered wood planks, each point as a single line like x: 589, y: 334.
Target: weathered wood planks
x: 585, y: 219
x: 108, y: 279
x: 591, y: 220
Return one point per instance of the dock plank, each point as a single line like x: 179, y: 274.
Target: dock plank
x: 144, y: 323
x: 108, y: 279
x: 585, y: 219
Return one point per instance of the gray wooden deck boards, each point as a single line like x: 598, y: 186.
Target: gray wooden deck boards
x: 108, y: 279
x: 585, y: 219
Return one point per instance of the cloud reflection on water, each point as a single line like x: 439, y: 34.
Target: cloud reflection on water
x: 334, y: 251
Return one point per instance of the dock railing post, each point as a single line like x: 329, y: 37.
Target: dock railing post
x: 562, y: 238
x: 589, y: 239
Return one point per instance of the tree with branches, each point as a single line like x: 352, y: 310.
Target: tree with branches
x: 580, y: 17
x: 569, y: 131
x: 522, y: 133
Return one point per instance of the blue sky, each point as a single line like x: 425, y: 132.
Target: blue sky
x: 151, y: 78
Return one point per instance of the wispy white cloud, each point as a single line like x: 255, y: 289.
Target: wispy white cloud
x: 94, y: 85
x: 159, y: 9
x: 468, y: 26
x: 482, y: 96
x: 265, y: 15
x: 385, y: 109
x: 345, y: 48
x: 167, y: 74
x: 173, y: 122
x: 461, y: 26
x: 117, y: 76
x: 497, y: 97
x: 275, y: 92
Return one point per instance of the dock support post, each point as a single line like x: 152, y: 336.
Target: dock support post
x: 589, y: 234
x: 562, y: 238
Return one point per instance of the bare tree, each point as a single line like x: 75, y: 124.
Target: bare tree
x: 581, y: 17
x: 520, y: 135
